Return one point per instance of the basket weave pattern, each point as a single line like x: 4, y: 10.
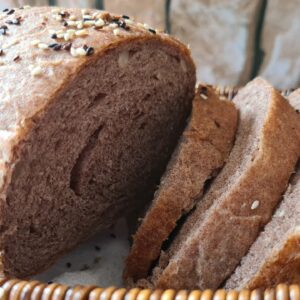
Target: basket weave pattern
x: 33, y: 290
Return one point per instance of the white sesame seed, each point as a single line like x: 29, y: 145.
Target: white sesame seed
x: 81, y: 32
x: 117, y: 31
x: 87, y: 17
x: 203, y: 96
x: 72, y: 23
x: 280, y: 213
x: 72, y: 18
x: 11, y: 43
x: 146, y: 26
x: 51, y: 31
x: 113, y: 25
x: 60, y: 31
x: 58, y: 17
x: 129, y: 22
x: 140, y: 25
x: 73, y: 52
x: 68, y: 36
x: 36, y: 71
x: 255, y: 204
x: 79, y: 24
x: 89, y: 23
x: 99, y: 23
x: 26, y: 6
x: 60, y: 35
x: 35, y: 42
x: 84, y: 12
x: 80, y: 52
x: 43, y: 46
x: 71, y: 31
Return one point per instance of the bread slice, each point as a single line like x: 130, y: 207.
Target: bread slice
x: 86, y: 129
x: 275, y: 256
x: 200, y: 153
x: 241, y: 200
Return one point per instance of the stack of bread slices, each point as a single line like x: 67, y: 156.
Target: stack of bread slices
x: 226, y: 213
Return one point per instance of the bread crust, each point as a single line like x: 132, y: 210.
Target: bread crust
x: 192, y: 262
x: 201, y: 152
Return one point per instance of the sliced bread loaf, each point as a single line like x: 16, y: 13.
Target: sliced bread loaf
x: 275, y: 256
x: 88, y: 120
x: 200, y: 153
x: 241, y: 200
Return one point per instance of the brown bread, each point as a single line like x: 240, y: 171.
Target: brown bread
x: 200, y: 154
x: 241, y: 200
x: 274, y: 256
x: 86, y: 129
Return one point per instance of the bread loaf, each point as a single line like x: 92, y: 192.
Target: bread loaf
x: 91, y: 108
x: 274, y: 257
x: 199, y: 155
x: 241, y: 200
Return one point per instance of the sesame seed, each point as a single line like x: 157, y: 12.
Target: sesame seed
x: 1, y: 52
x: 10, y: 12
x: 125, y: 17
x: 121, y: 23
x: 97, y: 248
x: 152, y: 30
x: 72, y: 18
x: 90, y: 51
x: 5, y: 10
x: 68, y: 265
x: 81, y: 52
x: 99, y: 23
x: 255, y: 204
x: 89, y: 23
x: 16, y: 21
x: 68, y: 36
x: 84, y: 12
x: 73, y: 52
x: 72, y: 23
x: 17, y: 58
x: 3, y: 30
x: 117, y: 31
x: 60, y: 35
x: 58, y: 17
x: 53, y: 36
x: 87, y: 17
x: 65, y: 23
x: 11, y: 43
x: 113, y: 25
x: 79, y: 24
x: 35, y: 42
x: 129, y: 22
x: 55, y: 46
x: 81, y: 32
x: 36, y: 71
x: 43, y: 46
x: 26, y: 6
x: 112, y: 235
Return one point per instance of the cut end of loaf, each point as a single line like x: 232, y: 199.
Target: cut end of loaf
x: 97, y: 146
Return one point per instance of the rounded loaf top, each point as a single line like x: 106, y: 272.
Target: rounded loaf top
x: 43, y: 48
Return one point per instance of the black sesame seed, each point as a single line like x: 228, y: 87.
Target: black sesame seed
x: 67, y: 46
x: 10, y: 12
x: 21, y: 7
x: 203, y: 90
x: 152, y: 30
x: 9, y: 22
x: 16, y: 21
x: 5, y: 10
x: 2, y: 31
x: 1, y: 52
x: 90, y: 51
x: 297, y: 111
x: 87, y: 19
x: 50, y: 282
x: 68, y: 265
x: 54, y: 36
x: 125, y: 17
x: 121, y: 23
x: 64, y: 14
x: 55, y: 46
x: 85, y: 47
x: 112, y: 235
x: 65, y: 23
x: 97, y: 248
x: 16, y: 58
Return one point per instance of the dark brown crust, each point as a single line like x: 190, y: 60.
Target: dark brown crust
x: 201, y: 152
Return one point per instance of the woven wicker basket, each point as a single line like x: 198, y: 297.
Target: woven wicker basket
x: 14, y: 289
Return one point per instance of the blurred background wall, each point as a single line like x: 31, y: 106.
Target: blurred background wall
x: 232, y: 41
